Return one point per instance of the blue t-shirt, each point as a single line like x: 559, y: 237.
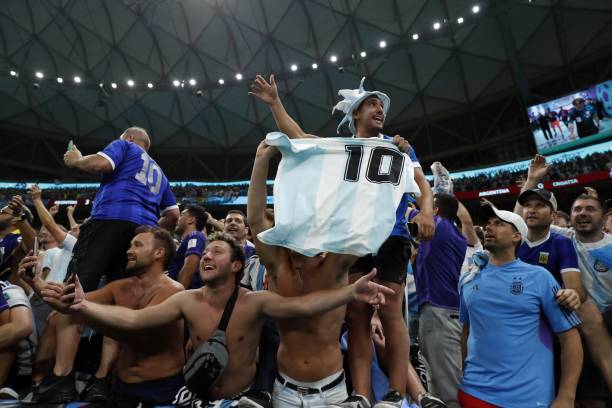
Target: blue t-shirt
x: 438, y: 265
x: 511, y: 310
x: 8, y: 244
x: 136, y: 190
x: 192, y: 244
x: 555, y: 253
x: 249, y: 250
x: 400, y: 229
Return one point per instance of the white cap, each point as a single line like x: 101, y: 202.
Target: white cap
x: 352, y: 100
x: 489, y: 210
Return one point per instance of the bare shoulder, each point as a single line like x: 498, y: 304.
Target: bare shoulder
x: 172, y: 286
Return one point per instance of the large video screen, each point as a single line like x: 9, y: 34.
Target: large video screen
x: 574, y: 120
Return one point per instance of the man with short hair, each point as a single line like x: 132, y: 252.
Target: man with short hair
x: 584, y: 118
x: 594, y: 249
x: 14, y: 216
x: 186, y: 264
x: 134, y: 191
x: 548, y: 249
x: 235, y: 224
x: 148, y: 372
x: 221, y: 269
x: 561, y: 219
x: 365, y: 114
x: 508, y: 309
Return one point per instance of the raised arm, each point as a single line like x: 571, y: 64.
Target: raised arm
x: 467, y: 225
x: 116, y: 319
x: 70, y: 215
x: 216, y: 224
x: 45, y: 217
x: 267, y: 92
x: 257, y: 201
x: 93, y: 163
x: 424, y: 219
x: 538, y: 169
x: 363, y: 290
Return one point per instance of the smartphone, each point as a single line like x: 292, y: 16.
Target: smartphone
x: 31, y: 271
x: 413, y: 229
x: 70, y: 145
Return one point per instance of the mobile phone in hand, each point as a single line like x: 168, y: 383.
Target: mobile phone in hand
x: 31, y: 271
x: 413, y: 229
x: 70, y: 146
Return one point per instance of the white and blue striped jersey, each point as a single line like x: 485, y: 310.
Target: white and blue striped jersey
x: 337, y: 195
x: 595, y: 262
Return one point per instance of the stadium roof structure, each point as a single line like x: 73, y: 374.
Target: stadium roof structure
x: 458, y: 89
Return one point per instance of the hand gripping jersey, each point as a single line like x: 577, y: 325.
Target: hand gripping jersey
x: 337, y: 195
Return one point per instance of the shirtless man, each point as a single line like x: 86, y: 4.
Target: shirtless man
x: 221, y: 268
x: 365, y: 114
x: 148, y: 372
x: 309, y: 355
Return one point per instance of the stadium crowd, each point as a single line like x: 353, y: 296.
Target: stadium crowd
x: 147, y: 304
x: 563, y: 169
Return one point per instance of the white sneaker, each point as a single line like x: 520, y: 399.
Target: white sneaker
x: 354, y: 401
x: 7, y: 393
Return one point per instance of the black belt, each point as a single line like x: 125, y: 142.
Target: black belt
x: 308, y: 390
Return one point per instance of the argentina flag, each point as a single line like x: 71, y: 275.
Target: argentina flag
x: 337, y: 195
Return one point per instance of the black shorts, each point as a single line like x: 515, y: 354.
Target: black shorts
x: 101, y: 249
x: 391, y: 262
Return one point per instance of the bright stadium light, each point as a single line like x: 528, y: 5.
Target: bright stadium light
x: 39, y: 75
x: 130, y: 83
x: 192, y: 82
x: 239, y: 77
x: 475, y: 9
x: 436, y: 26
x: 221, y: 81
x: 415, y: 36
x: 150, y: 85
x: 333, y: 58
x: 294, y: 67
x: 315, y: 65
x: 460, y: 20
x: 113, y: 85
x: 176, y: 83
x: 77, y: 79
x: 13, y: 73
x: 363, y: 54
x: 382, y: 44
x: 60, y: 80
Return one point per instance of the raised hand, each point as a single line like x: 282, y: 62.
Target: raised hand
x: 265, y: 91
x: 365, y: 290
x: 71, y: 157
x: 25, y: 267
x: 265, y: 151
x: 35, y: 192
x: 54, y: 210
x: 402, y: 144
x: 70, y: 209
x: 538, y: 169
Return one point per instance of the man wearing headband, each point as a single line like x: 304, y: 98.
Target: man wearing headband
x: 364, y: 114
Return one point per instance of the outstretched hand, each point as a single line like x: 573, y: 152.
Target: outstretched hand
x: 364, y: 290
x: 402, y: 144
x: 265, y: 91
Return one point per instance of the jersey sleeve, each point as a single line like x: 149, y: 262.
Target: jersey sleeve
x: 566, y: 232
x: 15, y: 296
x: 195, y: 245
x: 560, y: 320
x: 568, y: 261
x: 48, y: 259
x: 69, y: 242
x: 115, y: 152
x: 168, y: 201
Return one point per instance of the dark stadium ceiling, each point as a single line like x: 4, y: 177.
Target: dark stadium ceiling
x: 212, y: 134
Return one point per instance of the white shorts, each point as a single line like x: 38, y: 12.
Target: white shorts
x: 285, y: 397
